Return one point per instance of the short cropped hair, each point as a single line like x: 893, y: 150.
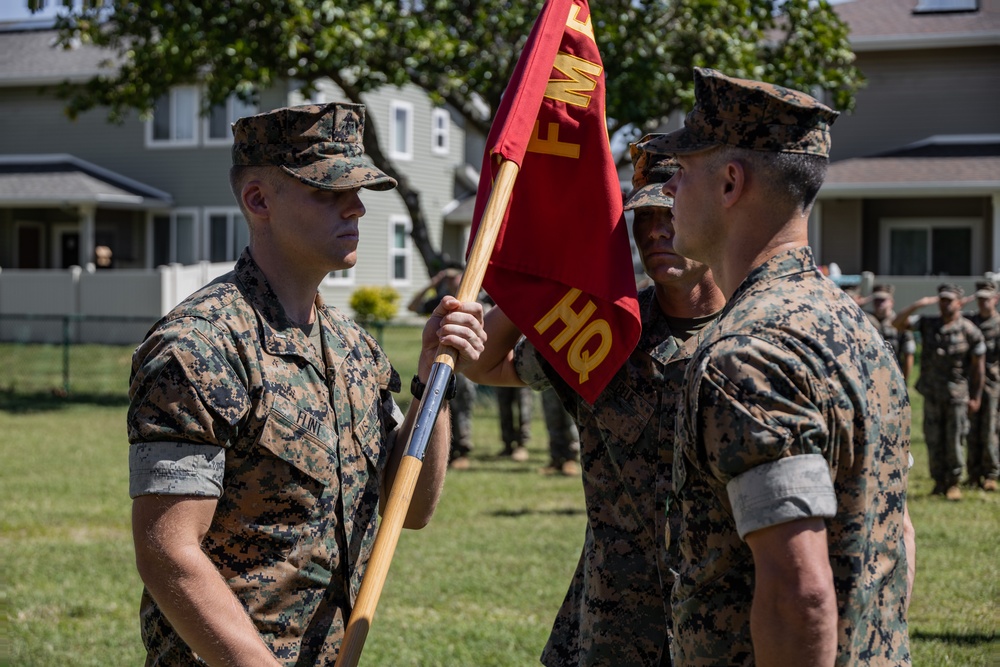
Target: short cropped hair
x: 793, y: 178
x: 240, y: 175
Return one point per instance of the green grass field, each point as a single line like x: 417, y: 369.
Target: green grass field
x: 479, y: 586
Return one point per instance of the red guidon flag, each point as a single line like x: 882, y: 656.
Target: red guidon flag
x: 561, y: 267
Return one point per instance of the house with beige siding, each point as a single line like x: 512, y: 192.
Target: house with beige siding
x: 913, y: 191
x: 153, y: 193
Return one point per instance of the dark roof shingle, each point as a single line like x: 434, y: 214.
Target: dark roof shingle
x: 930, y: 175
x: 43, y: 180
x: 870, y: 20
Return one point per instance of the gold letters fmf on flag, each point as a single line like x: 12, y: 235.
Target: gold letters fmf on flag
x: 561, y: 268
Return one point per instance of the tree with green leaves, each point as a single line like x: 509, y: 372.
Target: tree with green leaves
x: 461, y: 52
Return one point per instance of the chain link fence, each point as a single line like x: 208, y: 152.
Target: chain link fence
x: 68, y: 355
x: 89, y: 357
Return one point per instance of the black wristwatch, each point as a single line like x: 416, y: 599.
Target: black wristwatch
x: 417, y: 388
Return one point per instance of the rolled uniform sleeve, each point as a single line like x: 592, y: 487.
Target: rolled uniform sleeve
x: 175, y: 468
x: 765, y: 434
x: 187, y: 399
x: 796, y: 487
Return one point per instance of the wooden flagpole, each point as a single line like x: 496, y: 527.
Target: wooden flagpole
x: 405, y: 481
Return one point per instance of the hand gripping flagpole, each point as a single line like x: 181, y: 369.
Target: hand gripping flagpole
x: 409, y: 467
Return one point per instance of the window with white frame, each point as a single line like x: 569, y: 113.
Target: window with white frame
x: 400, y: 250
x: 174, y: 237
x: 222, y: 116
x: 226, y: 234
x: 440, y: 124
x: 341, y: 277
x: 930, y: 246
x: 943, y: 6
x: 175, y: 119
x: 400, y: 130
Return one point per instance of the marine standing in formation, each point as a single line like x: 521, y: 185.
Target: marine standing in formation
x: 564, y: 437
x: 952, y: 372
x: 902, y: 342
x: 983, y: 451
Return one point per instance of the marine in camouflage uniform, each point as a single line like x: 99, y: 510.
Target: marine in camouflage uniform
x: 230, y: 400
x: 616, y: 611
x: 261, y: 436
x: 461, y: 418
x: 902, y: 342
x: 793, y: 431
x: 516, y: 406
x: 951, y: 381
x: 983, y: 455
x: 564, y: 437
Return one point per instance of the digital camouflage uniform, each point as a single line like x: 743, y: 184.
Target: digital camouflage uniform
x: 461, y: 416
x: 782, y: 397
x: 616, y: 610
x: 229, y: 399
x: 901, y: 342
x: 516, y: 406
x: 947, y: 352
x: 983, y: 457
x: 792, y: 408
x: 564, y: 438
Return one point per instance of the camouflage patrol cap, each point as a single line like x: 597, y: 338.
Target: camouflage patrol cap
x: 751, y: 114
x: 883, y: 291
x: 319, y: 144
x: 985, y: 289
x: 650, y: 170
x: 950, y: 291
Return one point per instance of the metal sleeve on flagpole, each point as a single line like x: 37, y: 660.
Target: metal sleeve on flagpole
x: 430, y: 406
x: 409, y: 468
x: 406, y: 477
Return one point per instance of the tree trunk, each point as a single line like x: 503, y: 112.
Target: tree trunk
x: 432, y: 258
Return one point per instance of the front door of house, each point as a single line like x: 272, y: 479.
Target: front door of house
x: 29, y: 247
x: 69, y: 249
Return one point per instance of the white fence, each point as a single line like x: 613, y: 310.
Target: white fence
x: 31, y: 300
x: 81, y: 293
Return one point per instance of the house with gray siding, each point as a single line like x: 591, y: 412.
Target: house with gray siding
x: 913, y: 191
x: 154, y: 192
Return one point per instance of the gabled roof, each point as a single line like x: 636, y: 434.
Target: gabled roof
x: 885, y: 25
x: 61, y: 179
x: 913, y: 176
x: 949, y: 145
x: 964, y: 165
x: 31, y: 57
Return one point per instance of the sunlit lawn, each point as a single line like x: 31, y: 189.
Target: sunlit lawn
x: 480, y: 586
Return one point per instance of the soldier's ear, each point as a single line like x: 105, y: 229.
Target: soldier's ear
x: 254, y: 196
x: 733, y: 182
